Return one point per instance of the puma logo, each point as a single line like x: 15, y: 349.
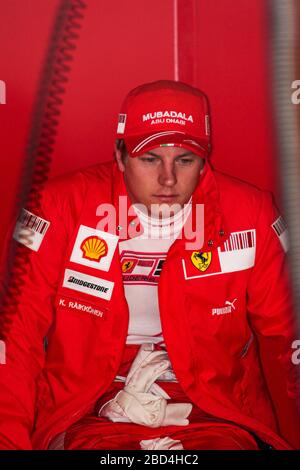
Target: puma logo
x: 231, y: 303
x: 229, y: 306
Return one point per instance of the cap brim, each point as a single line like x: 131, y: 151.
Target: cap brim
x: 138, y: 145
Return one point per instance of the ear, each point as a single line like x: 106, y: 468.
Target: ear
x: 203, y: 165
x: 118, y: 157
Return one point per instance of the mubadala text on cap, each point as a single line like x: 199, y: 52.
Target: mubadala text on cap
x: 167, y: 114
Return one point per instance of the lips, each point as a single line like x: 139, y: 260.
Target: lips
x: 163, y: 198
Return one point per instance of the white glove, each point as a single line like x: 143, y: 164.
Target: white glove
x: 161, y: 443
x: 135, y: 403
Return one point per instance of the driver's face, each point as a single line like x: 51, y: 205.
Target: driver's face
x: 164, y: 175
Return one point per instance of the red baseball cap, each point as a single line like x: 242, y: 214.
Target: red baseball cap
x: 165, y: 113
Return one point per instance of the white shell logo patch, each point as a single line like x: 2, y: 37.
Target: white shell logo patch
x: 94, y: 248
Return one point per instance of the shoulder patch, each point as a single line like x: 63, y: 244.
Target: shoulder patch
x: 30, y: 230
x: 281, y: 230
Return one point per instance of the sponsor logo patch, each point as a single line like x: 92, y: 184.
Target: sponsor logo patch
x: 236, y: 254
x: 88, y: 284
x: 121, y: 123
x: 281, y: 230
x: 140, y: 268
x: 239, y: 241
x: 201, y: 260
x: 128, y: 265
x: 94, y: 248
x: 227, y: 308
x: 162, y: 115
x: 30, y: 230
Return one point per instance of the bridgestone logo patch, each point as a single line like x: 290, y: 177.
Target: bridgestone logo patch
x: 88, y: 284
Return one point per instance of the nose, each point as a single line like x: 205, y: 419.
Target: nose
x: 167, y: 174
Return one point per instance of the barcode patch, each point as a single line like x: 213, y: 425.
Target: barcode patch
x: 239, y: 241
x: 281, y: 230
x: 279, y: 226
x: 121, y: 123
x: 35, y: 223
x: 30, y: 230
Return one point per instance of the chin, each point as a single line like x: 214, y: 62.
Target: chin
x: 165, y: 209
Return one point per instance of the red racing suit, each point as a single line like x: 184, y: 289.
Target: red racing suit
x: 226, y: 312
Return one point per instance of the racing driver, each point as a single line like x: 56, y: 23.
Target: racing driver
x: 155, y: 310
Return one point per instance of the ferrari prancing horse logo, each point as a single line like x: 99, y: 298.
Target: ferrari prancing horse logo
x: 127, y: 265
x: 201, y: 260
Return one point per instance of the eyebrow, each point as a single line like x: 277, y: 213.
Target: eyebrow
x: 178, y: 156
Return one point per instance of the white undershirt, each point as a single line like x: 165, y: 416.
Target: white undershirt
x: 141, y: 259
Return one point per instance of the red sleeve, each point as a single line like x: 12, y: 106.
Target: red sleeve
x: 26, y: 319
x: 273, y: 318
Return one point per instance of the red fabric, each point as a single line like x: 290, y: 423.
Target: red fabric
x: 99, y: 433
x: 216, y: 358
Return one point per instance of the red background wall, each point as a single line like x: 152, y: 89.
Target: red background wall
x: 222, y: 47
